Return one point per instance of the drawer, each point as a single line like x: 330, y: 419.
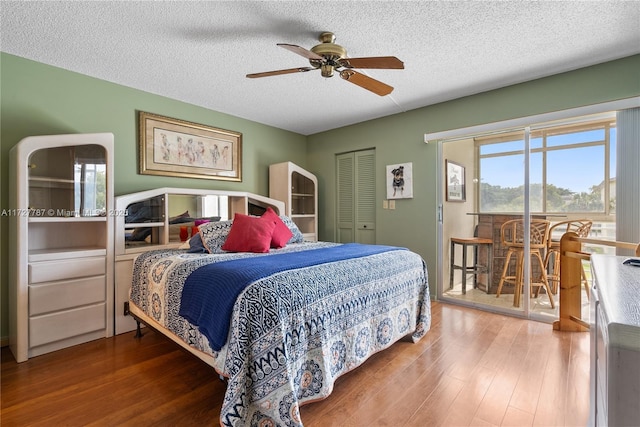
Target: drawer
x: 66, y: 324
x: 54, y: 296
x: 49, y: 271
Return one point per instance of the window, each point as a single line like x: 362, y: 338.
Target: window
x: 570, y: 169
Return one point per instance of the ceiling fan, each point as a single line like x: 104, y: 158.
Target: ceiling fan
x: 329, y: 57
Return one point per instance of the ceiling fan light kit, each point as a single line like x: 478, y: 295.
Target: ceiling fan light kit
x: 329, y: 57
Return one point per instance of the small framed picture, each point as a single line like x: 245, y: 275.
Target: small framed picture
x: 455, y: 182
x: 400, y: 181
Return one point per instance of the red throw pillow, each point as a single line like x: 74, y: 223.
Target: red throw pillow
x: 249, y: 234
x: 281, y: 234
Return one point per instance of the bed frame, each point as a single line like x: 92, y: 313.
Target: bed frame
x: 382, y: 292
x: 143, y: 319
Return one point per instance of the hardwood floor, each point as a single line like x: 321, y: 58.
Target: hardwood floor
x: 472, y: 368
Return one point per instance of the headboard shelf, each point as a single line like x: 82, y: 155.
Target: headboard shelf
x: 152, y: 219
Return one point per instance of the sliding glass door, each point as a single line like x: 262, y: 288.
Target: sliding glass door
x: 519, y: 184
x: 495, y: 181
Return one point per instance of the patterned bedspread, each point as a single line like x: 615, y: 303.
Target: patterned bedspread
x: 294, y: 332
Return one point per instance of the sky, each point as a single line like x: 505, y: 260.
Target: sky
x: 577, y: 169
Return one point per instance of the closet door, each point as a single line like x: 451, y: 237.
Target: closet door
x: 346, y: 201
x: 365, y: 191
x: 356, y: 197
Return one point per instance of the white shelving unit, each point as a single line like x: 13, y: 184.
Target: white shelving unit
x: 61, y: 274
x: 298, y: 189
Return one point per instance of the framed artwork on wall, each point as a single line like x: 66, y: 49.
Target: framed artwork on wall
x: 455, y: 188
x: 173, y: 147
x: 400, y: 181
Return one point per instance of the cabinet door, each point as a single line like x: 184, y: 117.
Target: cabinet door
x: 51, y: 183
x: 68, y: 181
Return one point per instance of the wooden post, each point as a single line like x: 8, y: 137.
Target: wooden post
x: 571, y: 257
x: 570, y: 285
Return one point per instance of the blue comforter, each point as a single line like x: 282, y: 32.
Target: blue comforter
x: 210, y: 291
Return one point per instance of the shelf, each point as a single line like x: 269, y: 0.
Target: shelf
x: 49, y: 180
x: 133, y: 248
x: 132, y: 225
x: 140, y: 247
x: 67, y: 219
x: 65, y: 253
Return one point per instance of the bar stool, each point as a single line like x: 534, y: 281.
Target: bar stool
x: 512, y: 237
x: 475, y: 268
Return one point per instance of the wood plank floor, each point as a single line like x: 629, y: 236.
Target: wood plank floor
x: 472, y: 369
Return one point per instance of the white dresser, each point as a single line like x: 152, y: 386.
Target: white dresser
x: 615, y: 343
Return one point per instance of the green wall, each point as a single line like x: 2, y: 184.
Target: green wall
x: 38, y: 99
x: 400, y: 138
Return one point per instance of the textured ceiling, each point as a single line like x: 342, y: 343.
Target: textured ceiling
x: 200, y: 52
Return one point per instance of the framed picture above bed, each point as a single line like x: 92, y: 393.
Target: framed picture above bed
x: 173, y: 147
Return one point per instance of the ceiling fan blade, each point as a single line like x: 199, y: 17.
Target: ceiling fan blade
x: 301, y: 51
x: 278, y: 72
x: 366, y: 82
x: 386, y: 62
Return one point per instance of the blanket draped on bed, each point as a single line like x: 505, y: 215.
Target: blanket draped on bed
x: 210, y: 291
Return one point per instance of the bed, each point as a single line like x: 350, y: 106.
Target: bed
x: 283, y: 324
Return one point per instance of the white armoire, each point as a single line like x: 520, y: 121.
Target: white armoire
x: 61, y: 240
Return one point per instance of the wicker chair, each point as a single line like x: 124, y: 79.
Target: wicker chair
x: 512, y: 237
x: 582, y: 227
